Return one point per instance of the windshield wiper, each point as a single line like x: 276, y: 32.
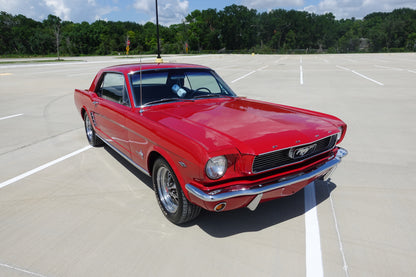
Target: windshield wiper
x: 165, y: 100
x: 212, y: 95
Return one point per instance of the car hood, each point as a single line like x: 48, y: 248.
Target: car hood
x: 253, y: 127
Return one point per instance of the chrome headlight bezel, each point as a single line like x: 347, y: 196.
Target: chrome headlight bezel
x: 216, y: 167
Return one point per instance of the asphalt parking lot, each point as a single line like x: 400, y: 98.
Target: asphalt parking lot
x: 67, y: 209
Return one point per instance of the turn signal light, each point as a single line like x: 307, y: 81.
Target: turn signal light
x: 219, y: 207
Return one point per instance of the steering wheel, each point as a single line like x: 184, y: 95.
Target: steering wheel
x: 203, y: 88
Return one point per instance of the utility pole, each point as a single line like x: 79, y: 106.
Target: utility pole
x: 159, y: 58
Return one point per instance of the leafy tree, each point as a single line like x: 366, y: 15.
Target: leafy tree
x: 273, y: 28
x: 349, y: 35
x: 54, y: 23
x: 238, y: 29
x: 203, y: 30
x: 411, y: 42
x: 6, y: 24
x: 290, y: 41
x: 235, y: 28
x: 323, y: 33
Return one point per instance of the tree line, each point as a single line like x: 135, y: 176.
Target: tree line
x: 235, y: 29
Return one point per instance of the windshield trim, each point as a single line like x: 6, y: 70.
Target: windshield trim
x: 226, y: 91
x: 165, y: 101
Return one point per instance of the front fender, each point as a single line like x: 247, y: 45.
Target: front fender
x: 185, y: 170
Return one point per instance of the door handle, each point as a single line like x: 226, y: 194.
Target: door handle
x: 95, y: 103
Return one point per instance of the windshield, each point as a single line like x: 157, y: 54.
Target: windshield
x: 160, y: 86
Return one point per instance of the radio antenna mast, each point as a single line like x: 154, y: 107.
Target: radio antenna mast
x: 141, y: 88
x: 159, y: 58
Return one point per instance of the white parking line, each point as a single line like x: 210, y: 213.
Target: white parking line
x: 314, y: 266
x: 301, y: 71
x: 80, y: 74
x: 388, y: 67
x: 361, y: 75
x: 301, y: 75
x: 22, y: 270
x: 341, y: 248
x: 262, y: 68
x: 10, y: 116
x: 280, y: 59
x: 365, y: 77
x: 242, y: 77
x: 42, y: 167
x: 248, y: 74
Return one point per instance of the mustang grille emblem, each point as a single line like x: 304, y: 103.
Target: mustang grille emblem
x: 299, y: 152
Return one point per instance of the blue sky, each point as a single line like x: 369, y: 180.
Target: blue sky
x: 174, y: 11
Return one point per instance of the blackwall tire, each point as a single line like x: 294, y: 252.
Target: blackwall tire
x: 169, y: 195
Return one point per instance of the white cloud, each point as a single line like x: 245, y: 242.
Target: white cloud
x: 173, y: 11
x: 59, y: 8
x: 170, y: 11
x: 272, y: 4
x: 146, y: 6
x: 358, y: 8
x: 340, y: 8
x: 73, y: 10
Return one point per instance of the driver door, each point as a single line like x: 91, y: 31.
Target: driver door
x: 110, y: 111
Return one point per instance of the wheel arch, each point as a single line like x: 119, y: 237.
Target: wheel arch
x: 153, y: 156
x: 160, y: 153
x: 83, y: 111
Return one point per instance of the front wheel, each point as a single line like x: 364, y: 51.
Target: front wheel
x: 169, y: 194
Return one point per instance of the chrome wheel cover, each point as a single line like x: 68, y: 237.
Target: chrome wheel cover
x: 167, y: 190
x: 88, y: 128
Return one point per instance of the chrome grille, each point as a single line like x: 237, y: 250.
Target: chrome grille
x: 279, y: 158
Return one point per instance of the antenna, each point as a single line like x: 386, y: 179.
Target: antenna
x: 159, y: 58
x: 141, y: 89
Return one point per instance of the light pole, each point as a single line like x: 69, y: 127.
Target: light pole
x: 159, y: 58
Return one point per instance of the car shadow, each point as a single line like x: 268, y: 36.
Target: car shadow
x: 229, y: 223
x: 225, y: 224
x: 133, y: 170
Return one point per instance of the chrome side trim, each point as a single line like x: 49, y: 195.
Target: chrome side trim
x: 124, y: 156
x: 328, y: 166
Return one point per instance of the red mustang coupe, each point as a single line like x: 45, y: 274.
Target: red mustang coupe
x: 203, y: 145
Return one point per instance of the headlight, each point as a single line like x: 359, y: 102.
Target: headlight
x: 340, y: 133
x: 216, y: 167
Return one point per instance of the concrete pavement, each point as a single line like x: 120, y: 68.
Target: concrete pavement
x: 93, y: 214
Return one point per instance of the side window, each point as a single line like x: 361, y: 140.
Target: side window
x: 113, y: 88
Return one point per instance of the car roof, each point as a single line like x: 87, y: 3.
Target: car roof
x: 127, y: 68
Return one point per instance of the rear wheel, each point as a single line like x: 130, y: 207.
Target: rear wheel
x: 90, y: 132
x: 169, y: 194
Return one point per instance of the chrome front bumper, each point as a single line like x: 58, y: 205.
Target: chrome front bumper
x: 325, y: 170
